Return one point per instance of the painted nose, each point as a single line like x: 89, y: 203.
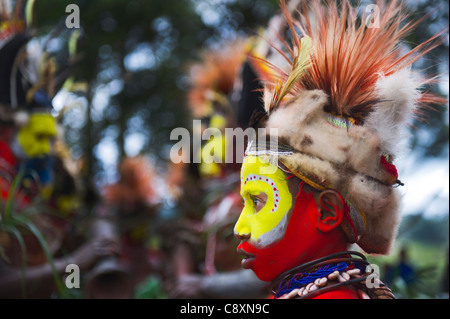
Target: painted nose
x: 241, y: 236
x: 241, y: 233
x: 242, y: 229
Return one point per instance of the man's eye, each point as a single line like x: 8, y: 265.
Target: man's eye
x: 258, y: 203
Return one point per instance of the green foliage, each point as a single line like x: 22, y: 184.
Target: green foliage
x: 150, y: 288
x: 16, y: 224
x: 432, y: 231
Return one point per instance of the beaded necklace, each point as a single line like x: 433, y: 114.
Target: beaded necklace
x: 329, y: 273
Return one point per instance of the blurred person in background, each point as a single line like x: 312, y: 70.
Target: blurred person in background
x: 202, y: 250
x: 38, y: 191
x: 132, y: 204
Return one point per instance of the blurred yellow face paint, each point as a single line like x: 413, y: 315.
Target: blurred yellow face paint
x: 212, y: 155
x: 265, y: 222
x: 35, y: 137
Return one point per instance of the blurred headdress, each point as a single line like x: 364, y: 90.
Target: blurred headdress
x: 209, y: 99
x: 30, y: 72
x: 136, y: 185
x: 214, y: 77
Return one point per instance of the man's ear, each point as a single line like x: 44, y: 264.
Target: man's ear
x: 331, y: 210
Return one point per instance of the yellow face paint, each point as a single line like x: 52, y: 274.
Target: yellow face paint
x: 35, y: 137
x: 212, y: 155
x: 218, y: 121
x: 46, y: 191
x: 67, y: 204
x: 268, y: 225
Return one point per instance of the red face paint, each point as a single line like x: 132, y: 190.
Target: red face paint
x: 300, y: 242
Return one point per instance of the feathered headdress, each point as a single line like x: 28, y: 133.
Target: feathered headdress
x: 214, y: 77
x: 135, y: 187
x: 341, y: 108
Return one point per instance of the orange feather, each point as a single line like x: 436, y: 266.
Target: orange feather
x: 348, y: 55
x: 216, y: 72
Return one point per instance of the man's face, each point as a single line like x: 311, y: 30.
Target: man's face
x: 35, y: 138
x: 267, y: 202
x: 275, y: 226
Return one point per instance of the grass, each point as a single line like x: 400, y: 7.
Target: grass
x: 14, y: 223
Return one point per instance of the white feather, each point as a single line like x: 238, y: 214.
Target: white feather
x: 398, y: 94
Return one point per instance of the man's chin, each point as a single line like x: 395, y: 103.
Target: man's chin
x: 262, y: 273
x: 257, y: 260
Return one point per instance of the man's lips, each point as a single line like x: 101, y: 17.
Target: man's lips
x: 247, y: 262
